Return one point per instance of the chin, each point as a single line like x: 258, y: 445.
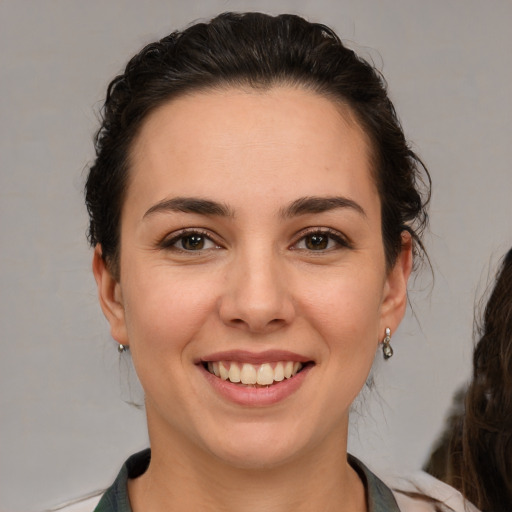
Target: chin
x: 253, y: 450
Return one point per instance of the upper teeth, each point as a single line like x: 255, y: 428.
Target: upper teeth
x: 246, y: 373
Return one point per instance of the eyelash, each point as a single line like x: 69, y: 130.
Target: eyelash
x: 340, y: 240
x: 169, y: 243
x: 332, y: 235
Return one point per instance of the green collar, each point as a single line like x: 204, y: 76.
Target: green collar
x: 379, y: 497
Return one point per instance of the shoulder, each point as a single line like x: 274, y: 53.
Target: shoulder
x: 379, y: 496
x: 411, y: 503
x: 86, y: 504
x: 421, y: 492
x: 115, y: 498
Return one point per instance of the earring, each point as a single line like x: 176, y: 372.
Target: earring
x: 386, y: 344
x: 122, y: 348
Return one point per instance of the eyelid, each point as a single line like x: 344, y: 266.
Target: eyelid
x: 170, y: 239
x: 341, y: 239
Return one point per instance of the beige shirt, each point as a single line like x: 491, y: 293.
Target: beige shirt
x: 423, y: 483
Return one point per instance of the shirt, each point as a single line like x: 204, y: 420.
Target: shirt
x: 414, y: 492
x: 380, y: 498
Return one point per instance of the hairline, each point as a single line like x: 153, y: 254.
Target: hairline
x: 347, y: 112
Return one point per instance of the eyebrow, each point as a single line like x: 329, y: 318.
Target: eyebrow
x: 314, y: 204
x: 191, y: 205
x: 301, y: 206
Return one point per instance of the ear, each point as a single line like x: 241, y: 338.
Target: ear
x: 395, y: 289
x: 110, y: 297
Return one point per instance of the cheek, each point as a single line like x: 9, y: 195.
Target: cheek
x: 348, y: 305
x: 164, y: 312
x: 346, y: 314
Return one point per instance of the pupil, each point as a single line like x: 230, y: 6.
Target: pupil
x: 193, y: 242
x: 317, y: 242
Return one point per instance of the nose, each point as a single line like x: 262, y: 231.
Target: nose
x: 257, y: 297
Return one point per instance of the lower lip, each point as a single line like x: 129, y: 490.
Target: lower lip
x: 256, y: 397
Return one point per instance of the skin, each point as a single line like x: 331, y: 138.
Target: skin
x: 255, y: 285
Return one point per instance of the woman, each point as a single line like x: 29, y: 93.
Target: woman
x: 254, y: 211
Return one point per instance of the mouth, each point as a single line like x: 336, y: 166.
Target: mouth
x: 255, y: 375
x: 250, y: 379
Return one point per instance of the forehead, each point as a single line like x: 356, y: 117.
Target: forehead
x: 287, y: 137
x: 222, y: 109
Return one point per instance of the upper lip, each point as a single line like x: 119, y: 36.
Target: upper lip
x: 245, y: 356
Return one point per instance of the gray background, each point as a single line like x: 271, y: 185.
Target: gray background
x: 65, y: 426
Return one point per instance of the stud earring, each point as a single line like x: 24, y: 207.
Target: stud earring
x: 122, y: 348
x: 386, y: 344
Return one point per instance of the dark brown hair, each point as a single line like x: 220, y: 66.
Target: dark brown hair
x: 474, y: 453
x: 486, y: 469
x: 259, y: 51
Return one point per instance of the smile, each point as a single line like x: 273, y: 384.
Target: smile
x: 264, y: 374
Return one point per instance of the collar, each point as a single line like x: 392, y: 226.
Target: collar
x: 378, y: 495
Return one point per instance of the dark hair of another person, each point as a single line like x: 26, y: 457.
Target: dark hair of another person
x: 257, y: 51
x: 486, y: 462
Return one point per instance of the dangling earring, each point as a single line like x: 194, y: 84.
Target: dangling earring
x: 122, y: 348
x: 386, y: 344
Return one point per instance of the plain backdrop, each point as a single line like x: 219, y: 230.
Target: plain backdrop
x: 65, y: 424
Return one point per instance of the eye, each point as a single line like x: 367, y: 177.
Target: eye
x: 190, y: 241
x: 194, y: 242
x: 321, y: 240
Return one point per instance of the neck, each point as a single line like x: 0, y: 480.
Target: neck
x: 182, y: 478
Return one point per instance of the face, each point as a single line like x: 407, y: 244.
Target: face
x: 251, y: 250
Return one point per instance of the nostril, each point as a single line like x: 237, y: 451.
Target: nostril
x: 258, y: 325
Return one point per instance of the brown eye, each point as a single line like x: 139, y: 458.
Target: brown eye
x: 193, y: 242
x: 322, y: 241
x: 316, y: 242
x: 190, y: 241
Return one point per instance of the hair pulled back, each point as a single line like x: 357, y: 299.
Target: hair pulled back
x: 486, y: 468
x: 259, y: 51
